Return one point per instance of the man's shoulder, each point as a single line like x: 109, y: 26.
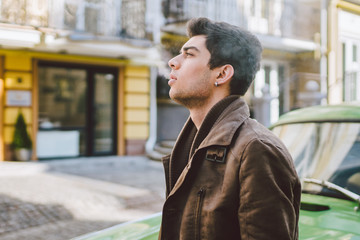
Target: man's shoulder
x: 252, y: 129
x: 251, y: 132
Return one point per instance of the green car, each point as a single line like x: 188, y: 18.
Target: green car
x: 325, y: 144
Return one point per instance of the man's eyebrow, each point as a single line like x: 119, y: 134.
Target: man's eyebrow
x: 188, y: 48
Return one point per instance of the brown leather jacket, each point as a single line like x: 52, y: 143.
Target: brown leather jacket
x: 239, y: 184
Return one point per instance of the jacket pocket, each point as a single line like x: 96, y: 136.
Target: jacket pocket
x: 198, y: 209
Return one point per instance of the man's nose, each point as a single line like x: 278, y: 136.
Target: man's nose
x: 173, y: 63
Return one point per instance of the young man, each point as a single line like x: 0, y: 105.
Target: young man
x: 228, y: 177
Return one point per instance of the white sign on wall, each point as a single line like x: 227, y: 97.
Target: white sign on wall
x: 18, y: 98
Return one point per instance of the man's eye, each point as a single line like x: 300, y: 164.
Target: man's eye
x: 188, y: 54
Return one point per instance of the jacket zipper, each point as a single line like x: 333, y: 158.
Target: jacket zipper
x: 200, y: 198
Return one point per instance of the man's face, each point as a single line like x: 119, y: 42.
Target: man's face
x: 191, y: 79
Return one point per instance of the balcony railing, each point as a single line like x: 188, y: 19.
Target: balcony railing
x: 283, y: 18
x: 111, y: 18
x: 31, y: 13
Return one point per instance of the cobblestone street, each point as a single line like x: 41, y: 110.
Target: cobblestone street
x: 62, y: 199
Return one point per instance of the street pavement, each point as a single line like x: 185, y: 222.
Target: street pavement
x: 62, y: 199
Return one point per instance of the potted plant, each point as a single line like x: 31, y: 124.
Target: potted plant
x: 21, y: 143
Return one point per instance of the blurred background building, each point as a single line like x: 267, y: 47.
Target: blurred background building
x: 90, y: 75
x: 80, y: 73
x: 311, y: 52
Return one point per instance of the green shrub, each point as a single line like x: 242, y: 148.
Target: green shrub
x: 21, y: 137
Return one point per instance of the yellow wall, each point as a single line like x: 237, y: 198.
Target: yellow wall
x: 17, y: 72
x: 17, y: 76
x: 18, y: 80
x: 137, y: 102
x: 18, y: 61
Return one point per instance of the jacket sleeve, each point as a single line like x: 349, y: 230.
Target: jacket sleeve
x: 269, y: 193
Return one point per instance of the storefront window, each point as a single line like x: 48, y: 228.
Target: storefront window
x: 77, y: 111
x: 62, y: 97
x: 62, y: 106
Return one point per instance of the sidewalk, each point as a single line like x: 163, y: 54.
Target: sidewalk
x: 61, y: 199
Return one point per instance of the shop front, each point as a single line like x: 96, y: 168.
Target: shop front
x: 77, y: 106
x: 74, y: 105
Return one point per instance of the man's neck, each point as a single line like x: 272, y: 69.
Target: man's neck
x: 198, y: 113
x: 197, y: 116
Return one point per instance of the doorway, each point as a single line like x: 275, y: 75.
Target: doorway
x: 77, y: 110
x: 101, y: 125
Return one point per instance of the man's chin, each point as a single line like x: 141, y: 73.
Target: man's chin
x: 172, y: 94
x: 186, y: 102
x: 175, y: 97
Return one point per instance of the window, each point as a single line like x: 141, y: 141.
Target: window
x: 253, y: 11
x: 351, y: 80
x: 265, y: 9
x: 351, y: 71
x: 62, y: 97
x: 91, y: 19
x: 354, y: 53
x: 90, y: 16
x: 267, y: 70
x: 282, y: 89
x: 62, y: 107
x: 270, y: 92
x: 132, y: 18
x: 70, y: 15
x: 326, y: 151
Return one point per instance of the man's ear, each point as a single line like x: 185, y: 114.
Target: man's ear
x: 225, y: 74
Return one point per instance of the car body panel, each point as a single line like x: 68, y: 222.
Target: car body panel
x: 328, y: 218
x: 321, y: 218
x: 330, y: 113
x: 143, y: 229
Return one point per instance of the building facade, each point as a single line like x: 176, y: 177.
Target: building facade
x: 311, y: 53
x: 80, y: 72
x: 289, y: 32
x: 343, y: 51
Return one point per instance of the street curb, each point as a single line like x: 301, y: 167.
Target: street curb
x: 8, y: 169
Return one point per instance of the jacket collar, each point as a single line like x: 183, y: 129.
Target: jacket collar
x: 221, y: 133
x: 226, y: 125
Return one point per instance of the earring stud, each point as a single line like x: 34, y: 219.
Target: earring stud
x: 216, y: 84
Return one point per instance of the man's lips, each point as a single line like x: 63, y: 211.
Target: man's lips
x: 172, y: 79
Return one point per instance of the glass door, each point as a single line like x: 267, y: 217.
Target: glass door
x: 102, y: 120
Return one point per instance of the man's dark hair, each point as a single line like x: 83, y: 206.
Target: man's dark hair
x: 232, y: 45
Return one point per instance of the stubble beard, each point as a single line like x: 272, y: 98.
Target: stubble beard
x: 193, y: 97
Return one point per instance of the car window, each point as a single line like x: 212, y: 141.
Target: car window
x: 325, y: 151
